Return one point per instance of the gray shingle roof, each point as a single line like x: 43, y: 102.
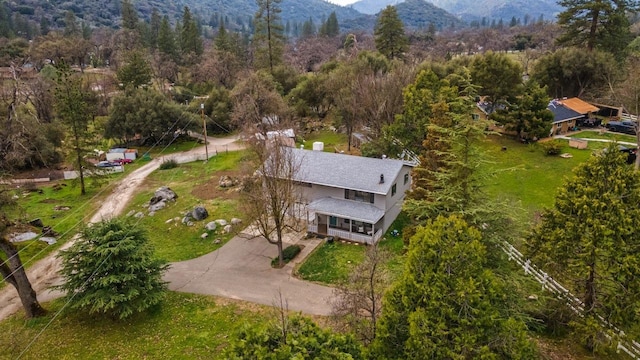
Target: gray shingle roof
x: 347, y: 171
x: 561, y: 112
x: 350, y: 209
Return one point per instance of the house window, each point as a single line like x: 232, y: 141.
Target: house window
x: 406, y: 178
x: 361, y: 196
x: 393, y: 190
x: 475, y: 116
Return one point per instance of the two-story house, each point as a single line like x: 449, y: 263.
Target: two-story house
x: 350, y: 197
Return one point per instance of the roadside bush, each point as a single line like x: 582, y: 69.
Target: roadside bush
x: 288, y: 254
x: 553, y: 147
x: 168, y: 164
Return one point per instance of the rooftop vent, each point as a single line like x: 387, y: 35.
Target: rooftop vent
x: 381, y: 178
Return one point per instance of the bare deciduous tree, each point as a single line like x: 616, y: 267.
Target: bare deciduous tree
x: 358, y: 303
x: 272, y: 195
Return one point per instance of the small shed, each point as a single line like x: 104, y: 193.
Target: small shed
x: 122, y: 153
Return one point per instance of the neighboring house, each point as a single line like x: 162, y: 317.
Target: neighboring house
x: 580, y: 106
x: 286, y: 137
x: 351, y: 197
x: 564, y: 119
x: 483, y: 110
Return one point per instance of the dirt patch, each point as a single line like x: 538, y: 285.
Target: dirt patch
x: 212, y: 190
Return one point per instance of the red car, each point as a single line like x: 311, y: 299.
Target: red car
x: 122, y: 161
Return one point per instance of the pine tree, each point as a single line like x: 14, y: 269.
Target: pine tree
x: 111, y: 270
x: 589, y: 239
x: 596, y: 23
x: 190, y: 40
x: 308, y: 28
x: 527, y: 115
x: 73, y: 110
x: 330, y: 28
x: 448, y: 304
x: 154, y: 28
x: 71, y: 27
x: 129, y: 15
x: 136, y: 72
x: 166, y: 38
x: 391, y: 41
x: 268, y: 34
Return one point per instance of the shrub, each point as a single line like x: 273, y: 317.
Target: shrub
x: 288, y: 254
x: 168, y: 164
x: 553, y: 147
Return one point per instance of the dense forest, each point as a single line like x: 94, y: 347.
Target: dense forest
x: 83, y: 77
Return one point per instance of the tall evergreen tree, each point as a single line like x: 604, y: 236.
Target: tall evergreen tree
x: 136, y: 72
x: 391, y: 41
x: 74, y: 112
x: 527, y: 115
x: 589, y: 241
x: 71, y: 27
x: 154, y: 28
x: 330, y: 27
x: 268, y: 34
x: 166, y: 38
x: 190, y: 40
x: 448, y: 304
x: 596, y: 23
x: 129, y: 15
x: 308, y: 28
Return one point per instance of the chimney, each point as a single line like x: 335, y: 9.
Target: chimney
x: 381, y: 178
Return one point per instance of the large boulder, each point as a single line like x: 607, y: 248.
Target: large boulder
x: 235, y: 221
x: 157, y: 206
x: 199, y: 213
x: 222, y: 222
x: 163, y: 194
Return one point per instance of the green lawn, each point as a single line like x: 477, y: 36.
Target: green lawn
x: 332, y: 140
x: 589, y: 134
x: 42, y: 205
x: 524, y: 176
x: 332, y: 263
x: 195, y: 183
x: 185, y: 327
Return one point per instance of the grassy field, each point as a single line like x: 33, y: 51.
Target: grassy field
x: 43, y: 202
x: 524, y: 176
x: 195, y: 184
x: 332, y: 263
x: 332, y: 140
x: 589, y: 134
x: 184, y: 327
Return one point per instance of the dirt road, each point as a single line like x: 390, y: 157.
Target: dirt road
x: 44, y: 273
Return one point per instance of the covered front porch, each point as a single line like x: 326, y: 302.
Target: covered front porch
x: 345, y: 219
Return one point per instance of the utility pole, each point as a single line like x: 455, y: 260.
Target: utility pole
x: 204, y: 125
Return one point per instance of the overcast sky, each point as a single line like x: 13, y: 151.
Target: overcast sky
x: 342, y: 2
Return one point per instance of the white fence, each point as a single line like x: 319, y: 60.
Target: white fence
x: 630, y: 347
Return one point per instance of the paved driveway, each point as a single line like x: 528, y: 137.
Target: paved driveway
x: 241, y: 269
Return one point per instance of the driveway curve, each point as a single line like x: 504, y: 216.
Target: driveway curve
x: 241, y: 269
x: 44, y: 273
